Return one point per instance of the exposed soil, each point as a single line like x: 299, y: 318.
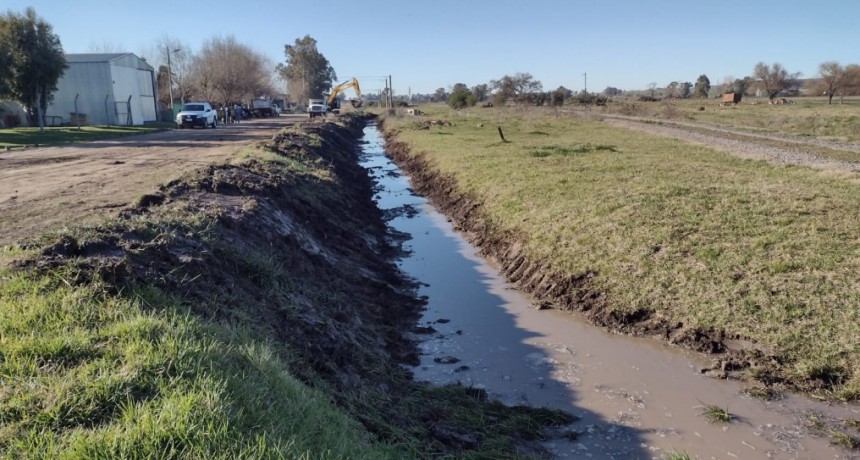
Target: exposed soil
x: 305, y: 260
x: 45, y: 188
x: 734, y: 356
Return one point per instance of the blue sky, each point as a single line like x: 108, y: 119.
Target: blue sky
x: 429, y: 44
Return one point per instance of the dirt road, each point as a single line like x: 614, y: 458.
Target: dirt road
x: 774, y: 148
x: 47, y: 188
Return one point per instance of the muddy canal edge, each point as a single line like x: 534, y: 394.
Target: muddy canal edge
x: 290, y: 250
x: 734, y: 356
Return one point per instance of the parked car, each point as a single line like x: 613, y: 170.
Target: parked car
x: 196, y: 114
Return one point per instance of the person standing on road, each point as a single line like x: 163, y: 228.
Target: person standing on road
x: 237, y: 113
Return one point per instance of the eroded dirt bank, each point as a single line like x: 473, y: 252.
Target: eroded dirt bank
x: 734, y: 356
x: 294, y: 251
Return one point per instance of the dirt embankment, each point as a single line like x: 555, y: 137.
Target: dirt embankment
x: 733, y: 354
x: 297, y: 252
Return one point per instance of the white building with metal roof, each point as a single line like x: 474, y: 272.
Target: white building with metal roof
x: 105, y: 89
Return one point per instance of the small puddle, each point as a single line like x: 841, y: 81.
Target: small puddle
x: 636, y: 398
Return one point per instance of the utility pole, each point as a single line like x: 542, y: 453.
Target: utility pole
x: 585, y: 82
x: 169, y: 82
x: 386, y: 93
x: 170, y: 79
x: 390, y: 93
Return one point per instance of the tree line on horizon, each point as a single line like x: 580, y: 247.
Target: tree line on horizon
x: 771, y: 80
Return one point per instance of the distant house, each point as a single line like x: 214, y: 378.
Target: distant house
x: 111, y: 89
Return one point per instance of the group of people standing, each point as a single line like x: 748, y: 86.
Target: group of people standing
x: 232, y: 114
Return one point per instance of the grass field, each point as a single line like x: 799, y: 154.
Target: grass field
x: 701, y: 237
x: 20, y: 137
x: 808, y: 117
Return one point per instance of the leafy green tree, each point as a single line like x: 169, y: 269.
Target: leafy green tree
x: 440, y: 95
x: 461, y: 97
x: 560, y: 95
x: 459, y: 86
x: 307, y: 71
x: 34, y: 63
x: 518, y: 87
x: 684, y: 89
x: 612, y: 91
x: 702, y: 87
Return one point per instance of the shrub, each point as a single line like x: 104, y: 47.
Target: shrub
x: 461, y: 98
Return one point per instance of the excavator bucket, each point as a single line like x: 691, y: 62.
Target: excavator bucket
x: 356, y: 103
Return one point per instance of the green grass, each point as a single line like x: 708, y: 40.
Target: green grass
x: 762, y: 251
x: 19, y: 137
x: 91, y: 376
x: 675, y: 455
x: 818, y: 423
x: 716, y: 414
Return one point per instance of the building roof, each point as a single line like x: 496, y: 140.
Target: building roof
x: 94, y: 57
x: 121, y: 59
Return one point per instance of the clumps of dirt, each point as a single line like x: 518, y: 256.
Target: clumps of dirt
x: 300, y: 255
x: 575, y: 293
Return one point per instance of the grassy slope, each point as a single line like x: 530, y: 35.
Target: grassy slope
x: 197, y: 328
x: 701, y: 237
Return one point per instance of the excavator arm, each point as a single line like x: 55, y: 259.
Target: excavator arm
x: 343, y: 87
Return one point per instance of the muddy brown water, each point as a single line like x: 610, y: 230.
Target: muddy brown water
x: 636, y: 397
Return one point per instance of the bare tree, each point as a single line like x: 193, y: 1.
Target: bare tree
x: 774, y: 78
x: 181, y: 59
x: 229, y: 72
x: 652, y: 88
x: 832, y: 76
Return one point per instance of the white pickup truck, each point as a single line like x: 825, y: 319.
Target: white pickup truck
x: 316, y: 108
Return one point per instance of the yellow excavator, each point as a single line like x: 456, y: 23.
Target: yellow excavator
x: 334, y: 103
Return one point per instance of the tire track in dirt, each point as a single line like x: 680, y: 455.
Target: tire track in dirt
x: 745, y: 144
